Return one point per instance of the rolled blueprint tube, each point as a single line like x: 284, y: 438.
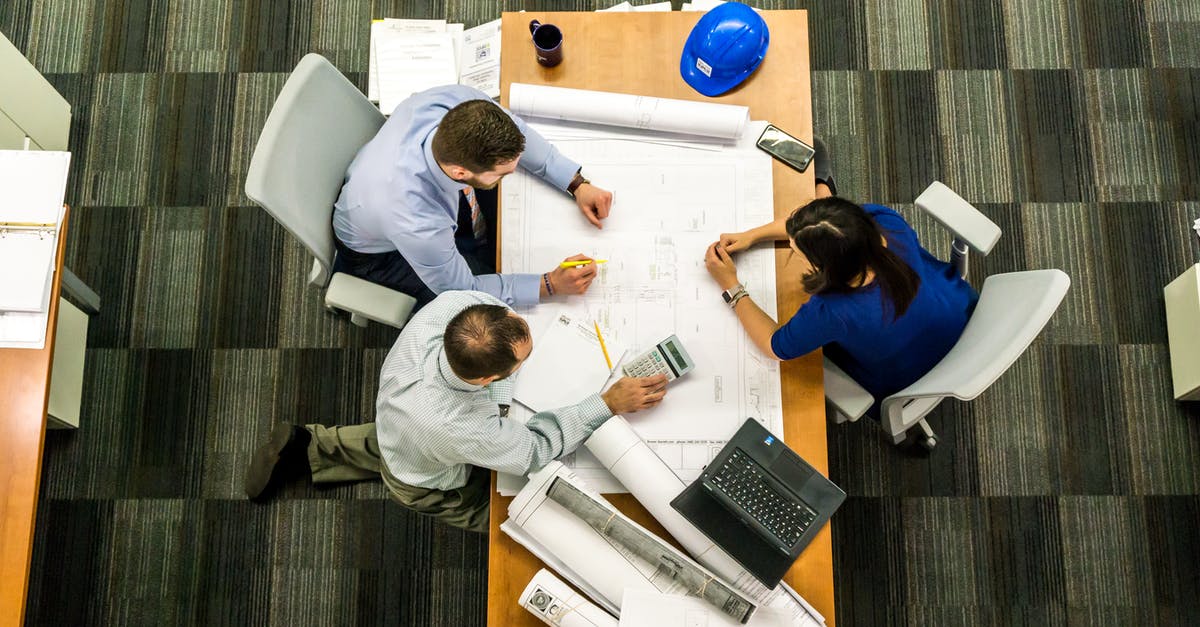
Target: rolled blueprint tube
x: 649, y: 547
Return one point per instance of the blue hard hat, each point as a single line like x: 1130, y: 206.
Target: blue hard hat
x: 724, y: 48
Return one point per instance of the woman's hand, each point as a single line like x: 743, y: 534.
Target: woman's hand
x: 737, y: 242
x: 720, y: 266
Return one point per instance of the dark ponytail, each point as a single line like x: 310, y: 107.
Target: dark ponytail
x: 842, y: 242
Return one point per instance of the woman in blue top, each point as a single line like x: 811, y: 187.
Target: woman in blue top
x: 885, y: 310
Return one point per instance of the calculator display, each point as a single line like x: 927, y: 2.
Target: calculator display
x: 680, y: 362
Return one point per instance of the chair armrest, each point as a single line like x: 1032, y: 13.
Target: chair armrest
x: 959, y: 217
x: 844, y: 394
x: 369, y: 300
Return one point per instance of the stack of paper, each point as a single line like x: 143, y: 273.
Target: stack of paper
x: 408, y: 56
x: 32, y: 187
x: 567, y: 365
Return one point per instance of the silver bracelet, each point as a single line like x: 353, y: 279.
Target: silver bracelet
x: 737, y: 297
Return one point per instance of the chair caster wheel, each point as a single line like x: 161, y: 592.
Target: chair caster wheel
x: 928, y: 443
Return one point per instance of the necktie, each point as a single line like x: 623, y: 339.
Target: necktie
x: 478, y: 223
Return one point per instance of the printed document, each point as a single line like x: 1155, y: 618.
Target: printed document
x: 670, y: 203
x: 566, y: 366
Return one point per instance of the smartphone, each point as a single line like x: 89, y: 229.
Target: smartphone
x: 786, y: 148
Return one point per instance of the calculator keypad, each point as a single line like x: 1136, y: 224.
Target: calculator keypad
x: 648, y: 365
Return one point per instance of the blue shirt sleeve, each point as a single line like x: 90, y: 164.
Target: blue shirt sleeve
x: 435, y: 258
x: 813, y: 326
x: 543, y: 160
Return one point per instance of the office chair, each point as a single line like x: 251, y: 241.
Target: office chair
x: 317, y: 125
x: 1013, y: 308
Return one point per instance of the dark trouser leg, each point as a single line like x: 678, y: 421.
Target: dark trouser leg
x: 388, y: 269
x: 467, y: 507
x: 392, y: 270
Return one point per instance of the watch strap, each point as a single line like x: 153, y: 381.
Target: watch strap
x: 576, y: 183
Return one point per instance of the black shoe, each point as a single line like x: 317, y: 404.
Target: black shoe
x: 287, y: 443
x: 823, y: 165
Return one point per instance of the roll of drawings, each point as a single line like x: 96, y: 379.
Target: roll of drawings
x: 610, y: 524
x: 555, y: 603
x: 663, y: 115
x: 619, y: 448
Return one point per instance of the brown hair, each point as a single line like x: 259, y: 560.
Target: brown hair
x: 479, y: 341
x: 477, y: 135
x: 843, y: 243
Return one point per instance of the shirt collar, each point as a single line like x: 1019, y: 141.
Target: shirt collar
x: 453, y: 380
x: 439, y: 177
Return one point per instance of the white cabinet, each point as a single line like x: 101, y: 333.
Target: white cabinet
x: 1183, y: 333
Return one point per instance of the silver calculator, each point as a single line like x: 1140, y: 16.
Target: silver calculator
x: 667, y: 357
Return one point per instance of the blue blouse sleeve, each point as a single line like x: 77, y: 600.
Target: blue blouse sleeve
x: 813, y: 326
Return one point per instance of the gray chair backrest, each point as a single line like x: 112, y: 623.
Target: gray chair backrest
x: 318, y: 123
x: 1013, y: 308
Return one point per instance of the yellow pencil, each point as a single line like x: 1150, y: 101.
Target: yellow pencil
x: 576, y: 264
x: 607, y: 360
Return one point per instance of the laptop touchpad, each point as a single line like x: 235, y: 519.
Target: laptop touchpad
x: 791, y: 471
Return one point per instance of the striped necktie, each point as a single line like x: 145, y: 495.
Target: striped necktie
x: 478, y: 223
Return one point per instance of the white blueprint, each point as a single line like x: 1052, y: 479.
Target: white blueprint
x: 670, y: 203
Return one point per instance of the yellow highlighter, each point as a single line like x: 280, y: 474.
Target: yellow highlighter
x: 576, y: 264
x: 607, y: 360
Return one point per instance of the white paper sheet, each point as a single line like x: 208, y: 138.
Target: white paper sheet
x: 26, y: 268
x: 32, y: 185
x: 664, y: 115
x: 653, y: 7
x: 566, y: 365
x: 670, y: 204
x: 553, y: 602
x: 641, y: 608
x: 479, y: 58
x: 390, y: 27
x: 411, y: 63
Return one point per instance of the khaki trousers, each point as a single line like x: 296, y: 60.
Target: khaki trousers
x: 351, y: 453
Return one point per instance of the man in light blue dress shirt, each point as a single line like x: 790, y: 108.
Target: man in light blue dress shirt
x: 441, y: 417
x: 417, y: 212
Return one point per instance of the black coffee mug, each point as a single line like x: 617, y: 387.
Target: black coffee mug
x: 547, y: 42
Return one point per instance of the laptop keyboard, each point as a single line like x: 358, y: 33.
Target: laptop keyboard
x: 744, y: 481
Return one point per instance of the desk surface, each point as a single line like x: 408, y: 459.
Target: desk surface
x: 639, y: 53
x: 25, y: 390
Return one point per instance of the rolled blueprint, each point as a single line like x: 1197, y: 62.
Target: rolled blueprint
x: 609, y: 523
x: 607, y: 568
x: 665, y: 115
x: 650, y: 480
x: 555, y: 603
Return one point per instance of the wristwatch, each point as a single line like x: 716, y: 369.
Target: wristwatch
x: 576, y: 183
x: 734, y: 294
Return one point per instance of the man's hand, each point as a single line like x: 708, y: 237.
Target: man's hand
x: 572, y: 280
x: 629, y: 394
x: 720, y: 266
x: 593, y: 202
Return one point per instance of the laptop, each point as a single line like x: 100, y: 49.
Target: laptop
x: 760, y: 502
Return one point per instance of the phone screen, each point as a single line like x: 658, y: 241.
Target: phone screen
x: 786, y: 148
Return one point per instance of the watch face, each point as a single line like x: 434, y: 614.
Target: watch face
x: 726, y: 296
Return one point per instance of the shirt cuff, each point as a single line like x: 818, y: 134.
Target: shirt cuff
x: 560, y: 170
x: 527, y: 289
x: 593, y: 411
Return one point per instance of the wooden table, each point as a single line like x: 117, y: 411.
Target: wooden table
x: 24, y: 392
x: 639, y: 53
